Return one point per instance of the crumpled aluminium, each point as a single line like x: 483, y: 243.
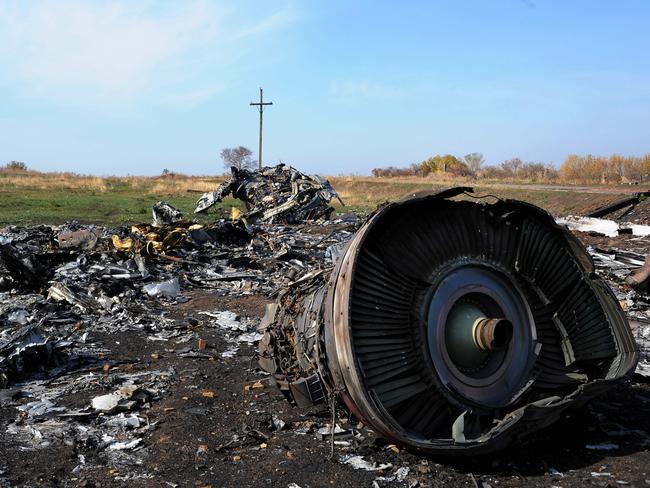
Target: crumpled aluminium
x: 278, y: 194
x: 165, y: 214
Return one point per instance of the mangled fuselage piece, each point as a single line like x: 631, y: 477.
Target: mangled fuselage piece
x: 278, y: 194
x: 451, y: 326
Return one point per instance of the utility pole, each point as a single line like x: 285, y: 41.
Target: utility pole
x: 260, y: 105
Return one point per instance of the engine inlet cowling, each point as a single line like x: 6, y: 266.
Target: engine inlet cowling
x: 451, y: 326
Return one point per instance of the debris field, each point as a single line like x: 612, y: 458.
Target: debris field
x: 129, y: 356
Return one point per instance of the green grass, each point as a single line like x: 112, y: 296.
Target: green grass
x: 29, y: 207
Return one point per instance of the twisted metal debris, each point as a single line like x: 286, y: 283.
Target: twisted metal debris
x: 71, y: 294
x: 278, y: 194
x: 394, y: 327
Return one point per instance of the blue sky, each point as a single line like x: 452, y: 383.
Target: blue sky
x: 125, y: 87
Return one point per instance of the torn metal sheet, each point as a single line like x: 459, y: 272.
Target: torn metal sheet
x: 279, y: 194
x: 641, y: 331
x: 169, y: 288
x: 41, y: 409
x: 451, y: 327
x: 239, y: 330
x: 621, y: 268
x: 60, y: 292
x: 165, y: 214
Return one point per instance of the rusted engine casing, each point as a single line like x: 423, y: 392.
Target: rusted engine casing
x: 389, y: 329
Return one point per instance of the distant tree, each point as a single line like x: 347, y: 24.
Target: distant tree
x: 447, y: 163
x: 474, y: 161
x: 511, y: 166
x: 429, y: 165
x: 572, y: 167
x: 439, y: 163
x: 640, y: 169
x: 444, y: 164
x: 416, y: 170
x: 458, y: 168
x: 605, y: 169
x: 526, y: 171
x: 538, y: 172
x: 240, y: 157
x: 493, y: 173
x: 16, y: 166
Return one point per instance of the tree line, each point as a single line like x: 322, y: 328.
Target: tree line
x: 575, y: 169
x: 606, y: 169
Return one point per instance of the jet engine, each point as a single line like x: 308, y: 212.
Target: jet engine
x: 451, y: 324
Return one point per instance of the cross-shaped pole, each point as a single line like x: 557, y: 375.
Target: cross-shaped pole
x: 260, y: 105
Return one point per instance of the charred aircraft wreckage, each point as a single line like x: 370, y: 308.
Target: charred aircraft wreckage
x: 276, y: 194
x: 451, y: 326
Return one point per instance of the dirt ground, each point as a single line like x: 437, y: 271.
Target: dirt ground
x: 210, y: 401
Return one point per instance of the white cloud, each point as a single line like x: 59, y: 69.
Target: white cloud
x: 106, y: 46
x: 117, y: 49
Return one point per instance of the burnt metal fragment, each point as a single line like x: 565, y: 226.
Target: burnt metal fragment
x: 165, y: 214
x: 277, y: 194
x: 451, y: 326
x: 28, y: 350
x: 24, y: 269
x: 630, y: 202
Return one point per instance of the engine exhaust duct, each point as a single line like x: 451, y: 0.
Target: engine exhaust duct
x: 451, y: 326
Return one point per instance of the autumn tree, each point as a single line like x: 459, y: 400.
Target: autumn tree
x: 644, y: 168
x: 429, y: 165
x: 444, y: 164
x: 571, y: 168
x: 605, y: 169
